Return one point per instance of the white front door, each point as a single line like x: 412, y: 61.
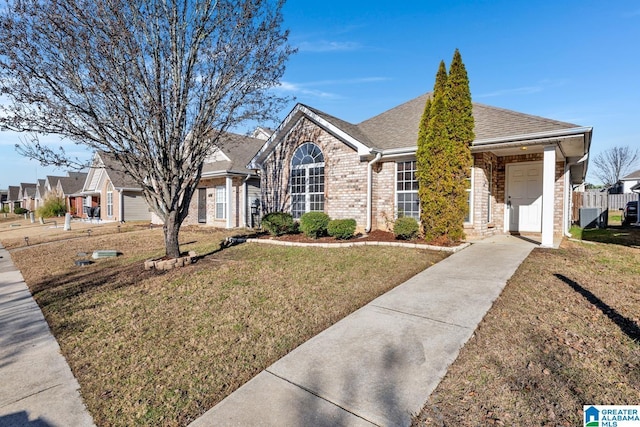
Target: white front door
x: 524, y: 197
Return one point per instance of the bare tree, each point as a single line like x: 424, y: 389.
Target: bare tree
x: 614, y: 163
x: 156, y: 83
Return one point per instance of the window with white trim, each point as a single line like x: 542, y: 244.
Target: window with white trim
x: 110, y: 201
x: 221, y: 202
x: 407, y: 201
x: 489, y: 192
x: 307, y: 180
x: 469, y: 190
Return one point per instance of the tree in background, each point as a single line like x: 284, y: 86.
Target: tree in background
x: 614, y: 163
x: 156, y: 83
x: 443, y: 158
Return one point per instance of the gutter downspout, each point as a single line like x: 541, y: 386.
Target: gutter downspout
x: 246, y: 200
x: 370, y: 189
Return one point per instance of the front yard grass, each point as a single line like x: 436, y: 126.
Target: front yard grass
x: 161, y: 348
x: 564, y: 333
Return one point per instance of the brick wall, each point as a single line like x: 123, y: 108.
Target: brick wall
x: 345, y: 174
x: 499, y: 172
x: 237, y: 203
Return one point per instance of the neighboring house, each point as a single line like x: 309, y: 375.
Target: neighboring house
x: 13, y: 198
x: 50, y: 186
x: 40, y: 194
x: 524, y: 169
x: 110, y: 194
x: 3, y: 198
x: 630, y: 181
x: 69, y: 187
x: 228, y: 195
x: 27, y: 195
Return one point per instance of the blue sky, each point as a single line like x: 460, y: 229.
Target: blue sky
x: 574, y: 61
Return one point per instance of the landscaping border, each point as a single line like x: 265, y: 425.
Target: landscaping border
x: 451, y: 249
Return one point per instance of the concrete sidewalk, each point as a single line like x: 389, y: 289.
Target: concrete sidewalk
x: 37, y: 388
x: 379, y: 365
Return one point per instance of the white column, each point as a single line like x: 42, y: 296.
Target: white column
x: 548, y: 188
x: 229, y: 182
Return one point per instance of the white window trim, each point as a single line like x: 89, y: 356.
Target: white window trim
x: 109, y: 203
x: 307, y: 193
x: 395, y: 202
x: 471, y: 197
x: 221, y: 199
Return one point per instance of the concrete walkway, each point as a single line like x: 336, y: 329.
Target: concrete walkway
x: 378, y: 366
x: 37, y: 388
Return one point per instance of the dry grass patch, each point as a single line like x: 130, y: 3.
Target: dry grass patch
x: 564, y: 333
x: 161, y: 348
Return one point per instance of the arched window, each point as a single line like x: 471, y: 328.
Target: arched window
x: 307, y: 180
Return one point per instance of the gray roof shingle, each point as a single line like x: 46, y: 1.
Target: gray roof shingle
x: 240, y: 149
x: 398, y: 127
x: 632, y: 176
x: 73, y: 183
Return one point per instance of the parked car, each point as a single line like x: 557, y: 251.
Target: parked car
x: 630, y: 213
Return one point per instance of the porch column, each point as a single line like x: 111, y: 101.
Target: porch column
x: 548, y: 187
x: 229, y: 185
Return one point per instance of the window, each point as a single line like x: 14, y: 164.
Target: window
x: 221, y: 202
x: 307, y: 180
x: 469, y: 187
x: 489, y: 191
x: 407, y: 202
x: 110, y: 201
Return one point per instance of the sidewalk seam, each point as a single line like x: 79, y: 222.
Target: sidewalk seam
x: 320, y: 397
x: 420, y: 317
x: 30, y: 395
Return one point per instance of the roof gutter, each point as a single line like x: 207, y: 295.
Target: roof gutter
x: 529, y: 139
x: 370, y: 189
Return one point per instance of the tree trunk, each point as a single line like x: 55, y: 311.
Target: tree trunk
x: 171, y: 230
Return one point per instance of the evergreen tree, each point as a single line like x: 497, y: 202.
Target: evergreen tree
x: 461, y: 135
x: 443, y: 157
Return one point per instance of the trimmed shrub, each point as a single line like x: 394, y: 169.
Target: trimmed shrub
x: 406, y: 228
x: 278, y: 223
x: 314, y: 224
x: 341, y: 228
x: 53, y: 206
x: 19, y: 211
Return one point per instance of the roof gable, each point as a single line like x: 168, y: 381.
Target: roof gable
x: 632, y: 176
x: 232, y: 158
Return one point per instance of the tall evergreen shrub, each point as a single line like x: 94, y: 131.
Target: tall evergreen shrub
x: 443, y: 158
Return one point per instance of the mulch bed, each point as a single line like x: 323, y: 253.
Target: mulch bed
x: 373, y: 236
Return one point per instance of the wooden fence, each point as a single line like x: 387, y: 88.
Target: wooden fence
x: 601, y: 200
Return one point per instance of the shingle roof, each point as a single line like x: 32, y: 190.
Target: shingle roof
x: 114, y: 169
x: 240, y: 149
x: 28, y: 190
x: 398, y: 127
x: 632, y: 176
x: 12, y: 193
x: 73, y: 183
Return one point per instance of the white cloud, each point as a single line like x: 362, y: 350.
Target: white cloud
x: 328, y: 46
x: 299, y: 89
x: 306, y: 88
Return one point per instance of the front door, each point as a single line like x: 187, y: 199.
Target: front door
x: 524, y: 197
x: 202, y: 205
